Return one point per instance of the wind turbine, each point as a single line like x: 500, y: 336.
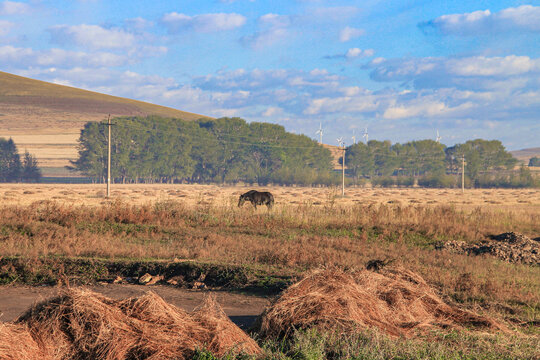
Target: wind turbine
x: 438, y: 139
x: 353, y: 138
x: 366, y: 136
x: 340, y: 141
x: 320, y: 132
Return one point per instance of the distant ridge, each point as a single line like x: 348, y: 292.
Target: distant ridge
x: 524, y: 155
x: 46, y: 118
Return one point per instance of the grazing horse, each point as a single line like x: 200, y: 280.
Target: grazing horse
x: 257, y: 198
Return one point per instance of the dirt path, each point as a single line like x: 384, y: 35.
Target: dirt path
x: 242, y: 309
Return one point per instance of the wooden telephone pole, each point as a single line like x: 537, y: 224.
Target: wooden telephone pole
x: 109, y: 158
x: 343, y: 176
x: 463, y: 174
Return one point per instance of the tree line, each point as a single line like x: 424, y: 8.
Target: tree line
x: 12, y: 168
x: 432, y: 164
x: 225, y: 150
x: 230, y: 150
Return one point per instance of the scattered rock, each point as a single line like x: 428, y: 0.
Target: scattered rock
x: 148, y: 279
x: 155, y: 279
x: 118, y: 280
x: 377, y: 264
x: 511, y: 247
x: 145, y: 279
x: 199, y: 285
x: 177, y: 280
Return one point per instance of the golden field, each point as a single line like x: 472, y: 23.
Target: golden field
x: 138, y: 194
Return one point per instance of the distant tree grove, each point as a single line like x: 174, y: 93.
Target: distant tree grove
x: 488, y: 164
x: 226, y: 150
x: 230, y: 150
x: 12, y: 168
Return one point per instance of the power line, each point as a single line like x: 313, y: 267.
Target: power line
x: 314, y: 146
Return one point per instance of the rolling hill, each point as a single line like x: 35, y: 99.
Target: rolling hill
x: 46, y: 118
x: 524, y: 155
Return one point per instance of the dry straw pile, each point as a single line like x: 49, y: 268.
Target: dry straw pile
x: 397, y: 302
x: 81, y: 324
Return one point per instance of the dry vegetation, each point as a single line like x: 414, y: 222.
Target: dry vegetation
x: 397, y: 302
x: 311, y: 228
x: 85, y: 325
x: 498, y: 200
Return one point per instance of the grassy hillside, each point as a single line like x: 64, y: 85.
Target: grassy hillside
x: 524, y: 155
x: 46, y: 118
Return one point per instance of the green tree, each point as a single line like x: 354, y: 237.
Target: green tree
x: 480, y: 156
x: 535, y: 161
x: 359, y: 160
x: 154, y: 149
x: 92, y: 159
x: 10, y: 161
x: 30, y: 169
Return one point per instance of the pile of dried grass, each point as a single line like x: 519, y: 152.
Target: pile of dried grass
x: 81, y: 324
x: 16, y: 343
x: 397, y: 302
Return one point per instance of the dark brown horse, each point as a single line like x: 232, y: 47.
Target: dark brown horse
x: 257, y: 198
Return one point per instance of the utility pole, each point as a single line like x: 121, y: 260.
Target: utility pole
x: 341, y: 145
x: 463, y: 174
x: 343, y: 177
x: 109, y: 158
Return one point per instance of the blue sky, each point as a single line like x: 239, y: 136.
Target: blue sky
x: 403, y: 69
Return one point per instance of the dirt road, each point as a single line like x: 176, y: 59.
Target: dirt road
x: 242, y: 309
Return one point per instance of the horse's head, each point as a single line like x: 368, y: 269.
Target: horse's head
x: 242, y: 200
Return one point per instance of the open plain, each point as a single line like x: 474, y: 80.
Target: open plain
x: 194, y: 237
x: 140, y: 194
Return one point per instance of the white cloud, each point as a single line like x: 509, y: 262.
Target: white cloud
x: 264, y: 39
x: 353, y: 53
x: 356, y: 53
x: 5, y: 27
x: 272, y: 111
x: 258, y: 79
x: 474, y: 72
x: 92, y: 36
x: 522, y: 18
x: 138, y: 24
x: 13, y: 8
x: 493, y: 66
x: 204, y: 23
x: 361, y: 102
x: 275, y: 20
x: 12, y: 56
x: 273, y: 29
x: 349, y: 33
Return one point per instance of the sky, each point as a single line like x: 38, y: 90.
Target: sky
x: 402, y: 69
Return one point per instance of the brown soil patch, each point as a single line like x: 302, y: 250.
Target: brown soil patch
x: 511, y: 247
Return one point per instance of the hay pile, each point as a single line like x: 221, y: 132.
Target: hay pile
x: 16, y: 343
x: 397, y: 302
x: 81, y: 324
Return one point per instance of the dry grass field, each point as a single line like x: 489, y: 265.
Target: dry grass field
x: 139, y: 194
x: 54, y: 233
